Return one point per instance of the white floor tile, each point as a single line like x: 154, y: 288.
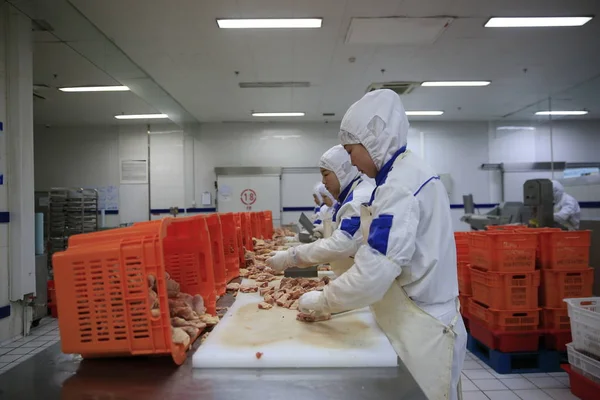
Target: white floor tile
x: 474, y: 396
x: 32, y: 345
x: 561, y: 394
x: 38, y: 350
x: 468, y: 386
x: 9, y: 358
x: 20, y: 351
x: 38, y: 342
x: 518, y: 383
x: 546, y: 383
x: 505, y: 376
x: 489, y: 384
x: 536, y: 375
x: 11, y: 345
x: 501, y: 395
x: 470, y: 364
x: 532, y: 394
x: 564, y: 381
x: 25, y: 358
x: 478, y: 374
x: 558, y: 374
x: 4, y: 350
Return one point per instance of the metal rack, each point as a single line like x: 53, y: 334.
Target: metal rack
x: 70, y: 211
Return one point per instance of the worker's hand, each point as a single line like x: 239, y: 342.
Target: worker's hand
x: 291, y: 238
x: 280, y: 260
x: 313, y: 303
x: 318, y: 232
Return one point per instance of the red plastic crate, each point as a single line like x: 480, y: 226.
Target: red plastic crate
x: 506, y: 290
x: 505, y: 321
x: 255, y: 224
x: 240, y: 238
x: 464, y: 279
x: 555, y: 319
x: 464, y: 305
x: 558, y: 285
x: 507, y: 342
x: 565, y: 250
x: 503, y: 251
x: 216, y: 240
x: 557, y: 339
x: 230, y: 246
x: 582, y: 387
x: 268, y: 217
x: 247, y: 231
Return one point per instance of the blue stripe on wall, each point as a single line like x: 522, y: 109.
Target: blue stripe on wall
x: 589, y: 204
x: 297, y: 209
x: 4, y: 217
x: 5, y: 312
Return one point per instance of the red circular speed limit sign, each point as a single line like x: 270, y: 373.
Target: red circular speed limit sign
x: 248, y: 197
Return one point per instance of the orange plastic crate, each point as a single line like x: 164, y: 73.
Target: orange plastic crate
x: 503, y: 251
x: 255, y: 223
x: 187, y: 251
x: 555, y: 319
x: 216, y: 239
x: 238, y: 230
x: 505, y: 321
x: 493, y: 228
x: 506, y: 290
x: 102, y: 293
x: 565, y: 249
x: 247, y: 231
x: 268, y: 215
x: 558, y: 285
x: 464, y: 279
x: 464, y: 304
x: 230, y: 246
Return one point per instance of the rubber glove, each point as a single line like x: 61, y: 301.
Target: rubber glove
x: 280, y: 260
x: 318, y: 232
x: 313, y: 303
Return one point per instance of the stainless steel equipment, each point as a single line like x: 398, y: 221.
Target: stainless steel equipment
x: 40, y: 303
x: 537, y: 194
x: 510, y: 212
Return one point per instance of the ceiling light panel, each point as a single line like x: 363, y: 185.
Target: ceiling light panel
x: 278, y: 114
x: 95, y: 89
x: 455, y: 83
x: 270, y: 23
x: 558, y: 112
x: 425, y: 113
x: 141, y: 116
x: 536, y: 22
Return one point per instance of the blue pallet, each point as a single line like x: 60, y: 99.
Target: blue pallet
x: 517, y: 363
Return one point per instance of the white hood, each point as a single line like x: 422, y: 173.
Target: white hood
x: 377, y: 121
x: 325, y: 193
x: 317, y: 192
x: 557, y: 191
x: 336, y: 159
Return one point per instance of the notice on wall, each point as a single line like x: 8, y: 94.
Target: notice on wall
x: 134, y: 171
x: 225, y: 193
x: 108, y: 198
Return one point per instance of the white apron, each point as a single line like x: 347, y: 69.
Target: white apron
x: 423, y: 343
x: 344, y: 264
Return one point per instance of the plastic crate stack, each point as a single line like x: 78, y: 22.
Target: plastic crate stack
x: 464, y: 274
x: 504, y: 305
x: 584, y: 351
x: 565, y: 273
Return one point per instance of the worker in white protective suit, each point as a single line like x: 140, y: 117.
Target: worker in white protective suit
x: 344, y: 182
x: 566, y: 209
x: 318, y: 199
x: 325, y: 212
x: 406, y: 270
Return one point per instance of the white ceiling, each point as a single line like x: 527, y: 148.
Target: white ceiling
x: 178, y: 44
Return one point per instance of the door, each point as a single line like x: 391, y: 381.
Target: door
x: 241, y: 193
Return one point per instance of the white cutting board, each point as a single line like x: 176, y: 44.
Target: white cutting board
x: 348, y: 340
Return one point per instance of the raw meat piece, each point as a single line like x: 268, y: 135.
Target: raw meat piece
x: 151, y: 280
x: 269, y: 299
x: 278, y: 295
x: 265, y: 278
x: 209, y: 319
x: 186, y: 297
x: 265, y: 306
x: 178, y: 322
x: 325, y: 279
x: 177, y: 303
x: 294, y: 305
x: 244, y: 272
x: 259, y: 355
x: 191, y: 331
x: 312, y: 318
x: 248, y: 288
x: 264, y: 285
x: 233, y: 286
x: 264, y: 291
x: 296, y: 293
x: 253, y: 276
x: 282, y: 300
x: 178, y: 336
x: 155, y: 313
x: 249, y: 263
x: 204, y: 337
x: 289, y: 303
x: 198, y: 305
x: 186, y: 313
x: 152, y: 298
x: 173, y: 288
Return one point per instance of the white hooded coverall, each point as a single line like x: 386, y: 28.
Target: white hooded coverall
x: 347, y: 236
x: 566, y: 209
x: 410, y: 238
x: 317, y: 192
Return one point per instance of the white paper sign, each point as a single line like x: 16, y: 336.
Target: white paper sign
x: 134, y: 171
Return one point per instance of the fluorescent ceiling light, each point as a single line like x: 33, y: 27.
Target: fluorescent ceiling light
x: 536, y: 22
x: 95, y: 89
x: 456, y: 83
x: 141, y: 116
x: 577, y: 112
x: 515, y: 128
x: 270, y: 23
x: 278, y: 114
x: 429, y: 113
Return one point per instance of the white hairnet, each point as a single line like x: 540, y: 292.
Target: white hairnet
x: 557, y: 191
x: 377, y: 121
x: 324, y: 192
x: 337, y: 160
x: 317, y: 192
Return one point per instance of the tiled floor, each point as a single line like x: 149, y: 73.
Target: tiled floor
x: 15, y: 352
x: 479, y: 382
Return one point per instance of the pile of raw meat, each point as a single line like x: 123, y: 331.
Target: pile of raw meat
x: 289, y: 291
x: 187, y: 312
x: 256, y: 267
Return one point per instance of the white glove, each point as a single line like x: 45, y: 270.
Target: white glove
x: 318, y: 232
x: 313, y: 303
x: 291, y: 238
x: 280, y: 260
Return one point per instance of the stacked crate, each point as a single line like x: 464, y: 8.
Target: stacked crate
x: 464, y: 276
x: 505, y: 284
x: 565, y: 273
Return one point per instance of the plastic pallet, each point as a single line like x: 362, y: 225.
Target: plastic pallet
x: 517, y: 363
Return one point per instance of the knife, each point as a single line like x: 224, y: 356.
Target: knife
x: 306, y: 224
